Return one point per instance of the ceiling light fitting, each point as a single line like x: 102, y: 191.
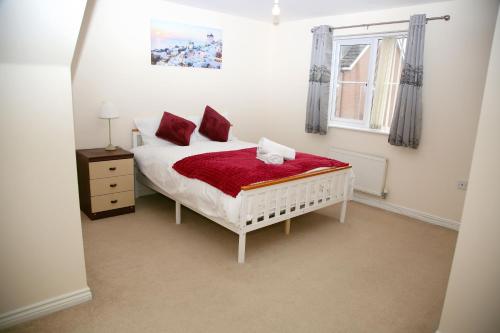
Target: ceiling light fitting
x: 276, y: 12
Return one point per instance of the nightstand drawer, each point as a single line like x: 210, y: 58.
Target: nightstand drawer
x: 111, y: 168
x: 112, y: 201
x: 109, y: 185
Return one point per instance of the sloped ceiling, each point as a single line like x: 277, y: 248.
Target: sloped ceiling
x: 39, y: 32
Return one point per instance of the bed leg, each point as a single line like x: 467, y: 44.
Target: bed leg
x: 343, y: 210
x: 241, y: 248
x: 287, y: 227
x: 177, y: 212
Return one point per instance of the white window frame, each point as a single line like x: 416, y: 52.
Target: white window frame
x: 372, y: 40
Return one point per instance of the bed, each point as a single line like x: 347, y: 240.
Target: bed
x: 256, y: 206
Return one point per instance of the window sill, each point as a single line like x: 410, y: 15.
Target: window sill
x: 361, y: 129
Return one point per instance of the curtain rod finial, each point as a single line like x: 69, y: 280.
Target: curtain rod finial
x: 446, y: 17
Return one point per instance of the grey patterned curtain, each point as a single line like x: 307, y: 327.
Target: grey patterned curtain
x: 407, y: 120
x: 319, y: 81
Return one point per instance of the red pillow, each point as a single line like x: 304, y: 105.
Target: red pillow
x: 175, y: 129
x: 214, y: 126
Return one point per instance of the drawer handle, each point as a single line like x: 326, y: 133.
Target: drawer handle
x: 112, y: 185
x: 112, y: 169
x: 114, y: 201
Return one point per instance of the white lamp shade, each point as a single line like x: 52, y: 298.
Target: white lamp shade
x: 108, y: 111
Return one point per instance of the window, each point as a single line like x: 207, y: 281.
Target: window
x: 365, y: 82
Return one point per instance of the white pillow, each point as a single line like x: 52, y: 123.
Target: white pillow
x: 196, y: 136
x: 230, y: 136
x: 201, y: 137
x: 149, y: 125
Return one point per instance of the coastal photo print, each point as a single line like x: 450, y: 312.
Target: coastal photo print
x: 183, y: 45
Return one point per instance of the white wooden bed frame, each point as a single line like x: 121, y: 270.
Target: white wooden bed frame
x: 260, y: 208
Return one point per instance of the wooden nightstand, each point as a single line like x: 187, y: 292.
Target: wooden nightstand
x: 105, y: 182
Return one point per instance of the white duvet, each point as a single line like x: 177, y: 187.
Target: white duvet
x: 156, y: 162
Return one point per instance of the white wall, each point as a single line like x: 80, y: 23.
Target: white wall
x: 472, y: 301
x: 114, y: 65
x: 456, y: 55
x: 41, y: 248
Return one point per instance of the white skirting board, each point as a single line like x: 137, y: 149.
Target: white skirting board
x: 43, y: 308
x: 422, y: 216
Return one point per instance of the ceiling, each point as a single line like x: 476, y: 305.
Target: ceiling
x: 296, y: 9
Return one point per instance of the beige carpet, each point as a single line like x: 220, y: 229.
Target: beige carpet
x: 379, y: 272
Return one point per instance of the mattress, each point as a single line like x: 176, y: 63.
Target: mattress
x: 156, y: 162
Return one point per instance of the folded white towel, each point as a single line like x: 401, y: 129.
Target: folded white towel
x: 270, y: 158
x: 267, y: 146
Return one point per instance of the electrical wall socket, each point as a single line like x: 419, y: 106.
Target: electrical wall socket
x: 462, y: 185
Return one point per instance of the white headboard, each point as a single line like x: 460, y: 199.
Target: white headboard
x: 136, y: 138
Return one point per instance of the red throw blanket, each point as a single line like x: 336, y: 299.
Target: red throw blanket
x: 230, y: 170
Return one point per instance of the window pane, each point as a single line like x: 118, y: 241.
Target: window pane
x: 350, y: 103
x: 352, y: 80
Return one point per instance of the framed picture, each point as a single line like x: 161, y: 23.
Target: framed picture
x: 183, y: 45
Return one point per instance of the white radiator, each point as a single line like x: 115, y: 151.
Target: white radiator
x: 369, y: 170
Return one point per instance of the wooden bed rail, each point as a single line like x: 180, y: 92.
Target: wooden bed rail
x: 290, y: 178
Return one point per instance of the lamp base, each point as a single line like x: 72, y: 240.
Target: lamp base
x: 110, y: 147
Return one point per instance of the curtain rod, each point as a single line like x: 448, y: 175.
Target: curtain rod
x: 367, y: 25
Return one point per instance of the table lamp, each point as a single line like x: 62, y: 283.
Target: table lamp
x: 108, y: 111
